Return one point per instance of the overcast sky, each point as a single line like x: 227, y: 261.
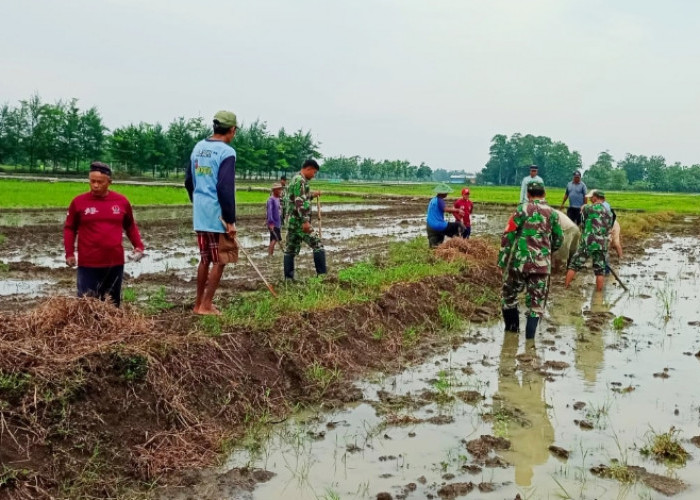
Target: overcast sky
x: 421, y: 80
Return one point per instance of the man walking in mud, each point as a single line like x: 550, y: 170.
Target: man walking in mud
x: 211, y: 185
x: 299, y: 227
x: 597, y: 223
x: 98, y: 219
x: 532, y: 234
x: 576, y: 194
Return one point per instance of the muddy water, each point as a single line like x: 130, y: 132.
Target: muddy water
x: 352, y: 231
x: 612, y: 377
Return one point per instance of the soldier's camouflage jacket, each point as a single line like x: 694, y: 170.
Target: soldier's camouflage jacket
x: 299, y: 199
x: 597, y: 223
x: 532, y: 234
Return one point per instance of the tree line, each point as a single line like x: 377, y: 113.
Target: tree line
x: 59, y: 137
x: 510, y: 157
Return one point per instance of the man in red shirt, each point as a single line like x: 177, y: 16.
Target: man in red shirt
x: 98, y: 218
x: 465, y: 220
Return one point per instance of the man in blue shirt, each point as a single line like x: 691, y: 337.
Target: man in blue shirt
x: 533, y: 177
x: 576, y: 194
x: 437, y: 226
x: 211, y: 185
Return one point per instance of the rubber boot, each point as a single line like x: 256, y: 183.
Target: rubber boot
x: 531, y: 327
x: 511, y: 317
x: 289, y: 266
x: 320, y: 261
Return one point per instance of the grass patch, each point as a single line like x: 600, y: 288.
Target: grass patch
x: 211, y: 325
x: 364, y: 281
x: 157, y: 302
x: 665, y: 447
x: 129, y: 295
x: 321, y: 376
x: 2, y: 238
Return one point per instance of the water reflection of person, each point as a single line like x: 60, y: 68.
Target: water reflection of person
x: 530, y: 440
x: 590, y: 346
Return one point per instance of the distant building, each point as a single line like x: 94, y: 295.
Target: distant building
x: 465, y: 178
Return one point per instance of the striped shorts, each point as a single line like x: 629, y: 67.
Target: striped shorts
x: 208, y: 246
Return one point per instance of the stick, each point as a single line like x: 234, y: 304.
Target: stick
x: 269, y: 286
x: 318, y: 209
x: 612, y: 271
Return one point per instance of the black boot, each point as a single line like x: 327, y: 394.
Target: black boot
x: 511, y: 317
x: 289, y: 266
x: 320, y: 261
x: 531, y: 327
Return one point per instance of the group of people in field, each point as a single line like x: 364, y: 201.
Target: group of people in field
x: 97, y: 220
x: 533, y: 234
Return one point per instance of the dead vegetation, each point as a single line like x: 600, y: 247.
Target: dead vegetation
x: 97, y: 401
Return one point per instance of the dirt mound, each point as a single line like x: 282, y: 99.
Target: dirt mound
x: 474, y: 249
x: 93, y: 397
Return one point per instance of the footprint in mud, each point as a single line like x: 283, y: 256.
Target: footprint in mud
x: 584, y: 424
x: 559, y: 452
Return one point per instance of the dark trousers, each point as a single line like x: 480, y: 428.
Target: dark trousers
x: 100, y: 281
x: 574, y: 213
x: 435, y: 238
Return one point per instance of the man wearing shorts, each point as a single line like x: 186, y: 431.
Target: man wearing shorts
x: 211, y: 185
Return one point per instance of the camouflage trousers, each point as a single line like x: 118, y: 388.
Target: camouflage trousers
x: 295, y: 237
x: 535, y: 286
x: 597, y: 253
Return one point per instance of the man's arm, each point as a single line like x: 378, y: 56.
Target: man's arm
x: 566, y: 197
x: 70, y: 231
x: 226, y: 189
x: 189, y: 181
x: 132, y: 230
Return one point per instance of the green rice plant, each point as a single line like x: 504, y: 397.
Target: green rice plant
x: 619, y: 323
x: 129, y: 295
x: 667, y: 295
x: 211, y: 325
x: 157, y: 302
x: 665, y: 447
x: 322, y: 376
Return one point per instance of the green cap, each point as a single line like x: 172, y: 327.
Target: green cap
x: 442, y: 188
x: 226, y: 119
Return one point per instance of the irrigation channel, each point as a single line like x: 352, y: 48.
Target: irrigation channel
x: 573, y: 414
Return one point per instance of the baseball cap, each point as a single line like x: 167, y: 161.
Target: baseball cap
x: 534, y: 167
x: 577, y: 173
x: 596, y: 192
x: 226, y: 119
x: 465, y: 191
x: 442, y: 188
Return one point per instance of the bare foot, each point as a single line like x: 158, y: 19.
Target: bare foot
x: 213, y: 311
x: 195, y: 310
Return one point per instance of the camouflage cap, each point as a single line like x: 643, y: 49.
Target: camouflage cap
x: 442, y: 188
x: 531, y: 186
x: 597, y: 193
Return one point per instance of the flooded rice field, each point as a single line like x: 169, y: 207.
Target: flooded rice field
x: 499, y: 417
x: 32, y: 254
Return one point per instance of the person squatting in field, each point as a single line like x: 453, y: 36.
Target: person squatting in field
x: 597, y: 223
x: 211, y: 185
x: 299, y: 227
x: 464, y: 220
x: 532, y: 234
x: 436, y: 225
x: 274, y: 217
x: 98, y: 219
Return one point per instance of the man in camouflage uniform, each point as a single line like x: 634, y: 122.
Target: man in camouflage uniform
x: 597, y: 224
x: 533, y: 233
x: 299, y: 226
x: 284, y: 200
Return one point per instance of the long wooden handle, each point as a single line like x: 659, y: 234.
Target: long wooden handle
x: 318, y: 209
x: 612, y: 271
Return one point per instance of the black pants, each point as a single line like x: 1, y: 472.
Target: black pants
x: 437, y: 237
x: 100, y: 281
x: 574, y: 213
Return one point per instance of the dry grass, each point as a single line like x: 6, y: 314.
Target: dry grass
x: 475, y: 249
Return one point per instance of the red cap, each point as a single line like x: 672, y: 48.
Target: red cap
x: 465, y: 191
